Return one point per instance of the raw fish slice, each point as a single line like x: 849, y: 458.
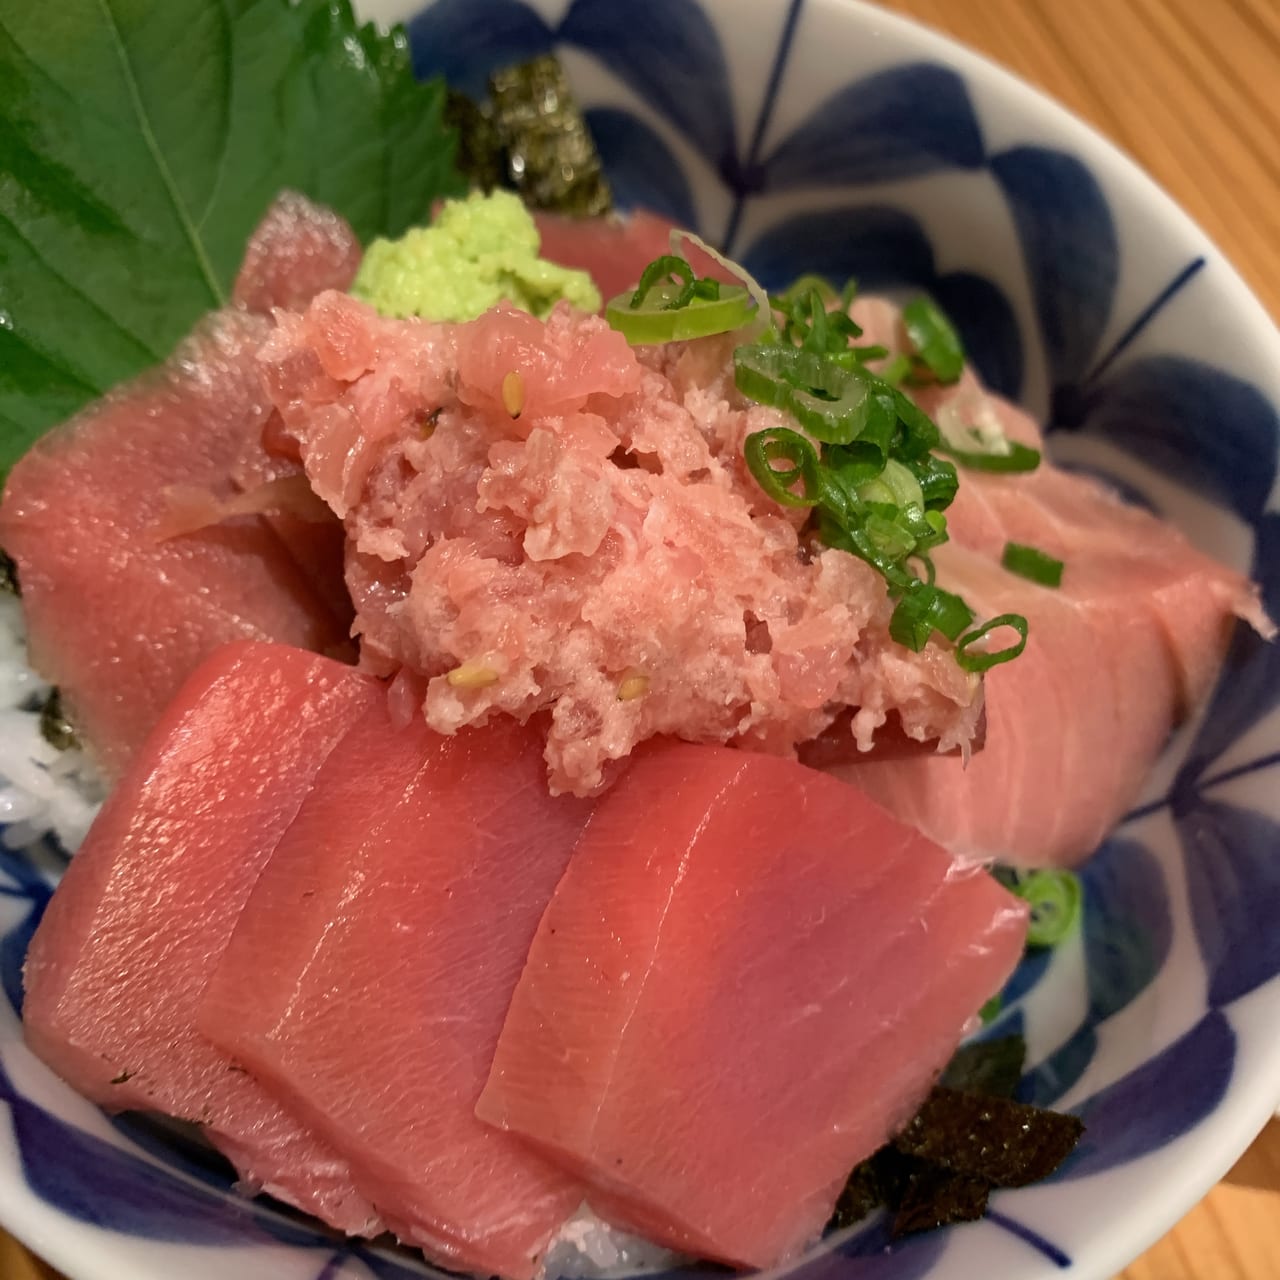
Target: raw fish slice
x: 121, y: 958
x: 1072, y: 726
x: 745, y: 982
x: 298, y: 250
x: 118, y: 616
x: 394, y: 918
x: 1117, y: 656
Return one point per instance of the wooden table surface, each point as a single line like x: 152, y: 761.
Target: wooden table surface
x: 1191, y: 90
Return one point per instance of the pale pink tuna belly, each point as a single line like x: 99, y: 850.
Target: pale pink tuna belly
x: 118, y: 965
x: 1117, y: 656
x: 604, y: 554
x: 368, y: 978
x: 746, y: 981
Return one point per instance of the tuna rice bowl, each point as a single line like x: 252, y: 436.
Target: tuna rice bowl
x: 476, y: 625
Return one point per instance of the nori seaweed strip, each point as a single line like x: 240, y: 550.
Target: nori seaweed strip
x: 1004, y: 1142
x: 937, y: 1198
x: 8, y: 575
x: 481, y: 157
x: 55, y: 728
x: 991, y: 1067
x: 551, y: 160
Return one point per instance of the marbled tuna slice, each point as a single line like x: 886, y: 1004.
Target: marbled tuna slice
x: 119, y: 963
x: 368, y: 978
x: 746, y: 981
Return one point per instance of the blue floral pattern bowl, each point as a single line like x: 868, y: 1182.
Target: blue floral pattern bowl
x: 825, y: 135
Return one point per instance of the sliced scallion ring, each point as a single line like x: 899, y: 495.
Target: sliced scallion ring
x: 668, y: 315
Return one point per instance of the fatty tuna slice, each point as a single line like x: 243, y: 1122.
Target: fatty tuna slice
x: 118, y: 615
x: 1116, y: 657
x: 745, y: 983
x: 394, y: 919
x: 118, y: 965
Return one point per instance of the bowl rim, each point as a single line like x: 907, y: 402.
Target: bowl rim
x: 1247, y: 1107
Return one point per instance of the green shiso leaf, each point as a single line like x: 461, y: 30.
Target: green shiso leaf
x: 141, y: 142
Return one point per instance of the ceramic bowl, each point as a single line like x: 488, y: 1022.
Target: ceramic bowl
x: 826, y: 135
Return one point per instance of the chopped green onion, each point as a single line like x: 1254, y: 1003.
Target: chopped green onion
x: 938, y: 481
x: 780, y: 444
x: 1055, y: 897
x: 701, y: 316
x: 935, y: 340
x: 924, y: 609
x: 763, y: 316
x: 662, y: 271
x: 984, y: 660
x: 1031, y: 562
x: 1019, y: 458
x: 896, y: 370
x: 991, y: 1010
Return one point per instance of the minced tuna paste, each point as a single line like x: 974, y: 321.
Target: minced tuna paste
x: 543, y: 520
x: 478, y: 252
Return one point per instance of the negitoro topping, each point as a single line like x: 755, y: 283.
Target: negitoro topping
x: 865, y: 458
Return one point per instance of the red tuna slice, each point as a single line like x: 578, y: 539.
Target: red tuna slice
x: 298, y: 250
x: 117, y: 616
x: 746, y: 981
x: 394, y: 918
x: 118, y: 965
x: 615, y: 251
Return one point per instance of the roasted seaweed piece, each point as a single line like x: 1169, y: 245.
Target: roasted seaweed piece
x: 551, y: 160
x: 55, y: 728
x: 941, y: 1168
x: 936, y: 1198
x: 1006, y: 1143
x: 991, y: 1067
x: 8, y: 575
x: 481, y: 157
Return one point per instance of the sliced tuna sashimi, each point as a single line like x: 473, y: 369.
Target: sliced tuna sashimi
x: 120, y: 960
x: 117, y: 613
x: 393, y: 920
x: 298, y: 250
x: 746, y: 981
x: 1116, y: 656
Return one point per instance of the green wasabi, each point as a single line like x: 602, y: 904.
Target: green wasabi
x: 479, y: 251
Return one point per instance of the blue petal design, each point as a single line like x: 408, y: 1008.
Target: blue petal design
x: 878, y: 1257
x: 642, y: 171
x: 885, y: 248
x: 1157, y: 1102
x: 20, y: 880
x: 1233, y: 880
x: 898, y: 123
x: 1033, y: 966
x: 669, y: 53
x: 1207, y: 429
x: 1249, y: 686
x: 92, y: 1181
x: 986, y: 322
x: 1072, y: 254
x: 465, y: 40
x: 1128, y: 928
x: 1059, y: 1072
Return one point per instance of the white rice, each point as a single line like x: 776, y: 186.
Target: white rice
x: 43, y: 791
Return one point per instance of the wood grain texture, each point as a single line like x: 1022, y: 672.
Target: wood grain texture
x: 1188, y: 88
x: 1191, y: 90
